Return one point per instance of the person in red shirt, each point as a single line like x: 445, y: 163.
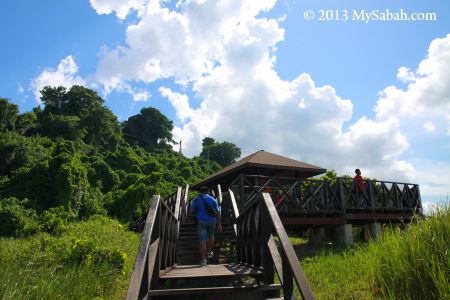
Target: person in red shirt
x: 359, y: 181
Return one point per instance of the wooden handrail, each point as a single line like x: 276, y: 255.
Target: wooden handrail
x: 288, y: 250
x: 234, y: 208
x: 135, y: 288
x: 322, y: 196
x: 158, y: 248
x: 257, y: 247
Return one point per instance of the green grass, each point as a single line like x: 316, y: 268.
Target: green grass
x: 402, y: 264
x: 34, y: 268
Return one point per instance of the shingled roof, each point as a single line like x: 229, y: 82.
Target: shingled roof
x: 261, y: 163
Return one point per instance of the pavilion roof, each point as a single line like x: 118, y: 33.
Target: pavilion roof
x: 261, y: 163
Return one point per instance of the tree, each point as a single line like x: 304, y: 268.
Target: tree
x: 150, y: 129
x: 207, y: 141
x: 26, y: 122
x: 8, y: 115
x: 52, y: 98
x: 224, y: 153
x: 78, y: 113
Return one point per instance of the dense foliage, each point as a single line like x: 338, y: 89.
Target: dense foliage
x: 67, y: 170
x: 72, y: 159
x: 224, y: 153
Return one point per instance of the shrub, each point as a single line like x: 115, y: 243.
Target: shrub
x: 55, y: 219
x: 87, y: 252
x: 16, y: 219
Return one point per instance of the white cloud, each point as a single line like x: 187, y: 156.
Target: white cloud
x: 121, y: 7
x: 429, y: 208
x: 429, y: 126
x: 179, y: 101
x: 63, y: 75
x: 405, y: 75
x: 226, y: 53
x: 140, y: 95
x: 184, y: 45
x: 20, y: 89
x: 433, y: 177
x: 428, y: 92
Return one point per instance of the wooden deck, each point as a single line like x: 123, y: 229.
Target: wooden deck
x: 220, y: 270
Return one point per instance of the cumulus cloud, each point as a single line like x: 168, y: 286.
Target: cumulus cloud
x: 225, y: 52
x: 179, y: 101
x: 182, y: 45
x: 427, y: 93
x: 63, y: 75
x: 121, y: 7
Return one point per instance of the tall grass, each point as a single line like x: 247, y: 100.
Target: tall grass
x: 403, y: 264
x: 416, y: 264
x: 33, y: 268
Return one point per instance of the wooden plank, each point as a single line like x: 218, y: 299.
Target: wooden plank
x: 138, y: 271
x: 294, y: 263
x: 307, y: 220
x: 276, y: 257
x: 379, y: 216
x: 208, y: 290
x: 152, y: 255
x: 235, y: 208
x: 221, y: 270
x: 177, y: 204
x: 219, y: 196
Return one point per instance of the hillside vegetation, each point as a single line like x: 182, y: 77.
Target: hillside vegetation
x: 75, y: 184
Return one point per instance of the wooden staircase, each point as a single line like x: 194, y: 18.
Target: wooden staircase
x: 224, y: 245
x: 220, y: 279
x: 245, y: 261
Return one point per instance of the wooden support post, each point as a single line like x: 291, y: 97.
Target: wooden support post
x: 288, y: 284
x: 266, y: 232
x: 340, y: 194
x: 242, y: 190
x: 371, y: 194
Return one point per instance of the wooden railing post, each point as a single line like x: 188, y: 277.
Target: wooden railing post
x: 234, y: 208
x: 139, y: 281
x: 242, y: 197
x: 340, y: 193
x: 289, y: 253
x: 373, y: 202
x: 266, y: 232
x: 288, y: 284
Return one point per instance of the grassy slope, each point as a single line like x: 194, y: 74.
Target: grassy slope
x: 410, y: 264
x: 31, y: 268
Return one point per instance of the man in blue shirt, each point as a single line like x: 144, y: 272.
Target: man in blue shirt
x: 206, y: 223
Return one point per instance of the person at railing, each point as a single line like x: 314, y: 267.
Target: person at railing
x: 359, y: 181
x: 206, y: 222
x: 359, y: 190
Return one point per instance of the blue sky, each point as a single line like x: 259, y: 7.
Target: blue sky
x: 234, y: 72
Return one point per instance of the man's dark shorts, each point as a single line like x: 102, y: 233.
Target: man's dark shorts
x: 205, y: 230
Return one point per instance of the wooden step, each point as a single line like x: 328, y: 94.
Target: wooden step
x: 188, y: 227
x: 221, y: 270
x: 195, y: 234
x: 190, y: 242
x: 214, y: 290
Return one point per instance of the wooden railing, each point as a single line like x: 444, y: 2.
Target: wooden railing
x: 158, y: 249
x: 255, y: 227
x: 320, y: 196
